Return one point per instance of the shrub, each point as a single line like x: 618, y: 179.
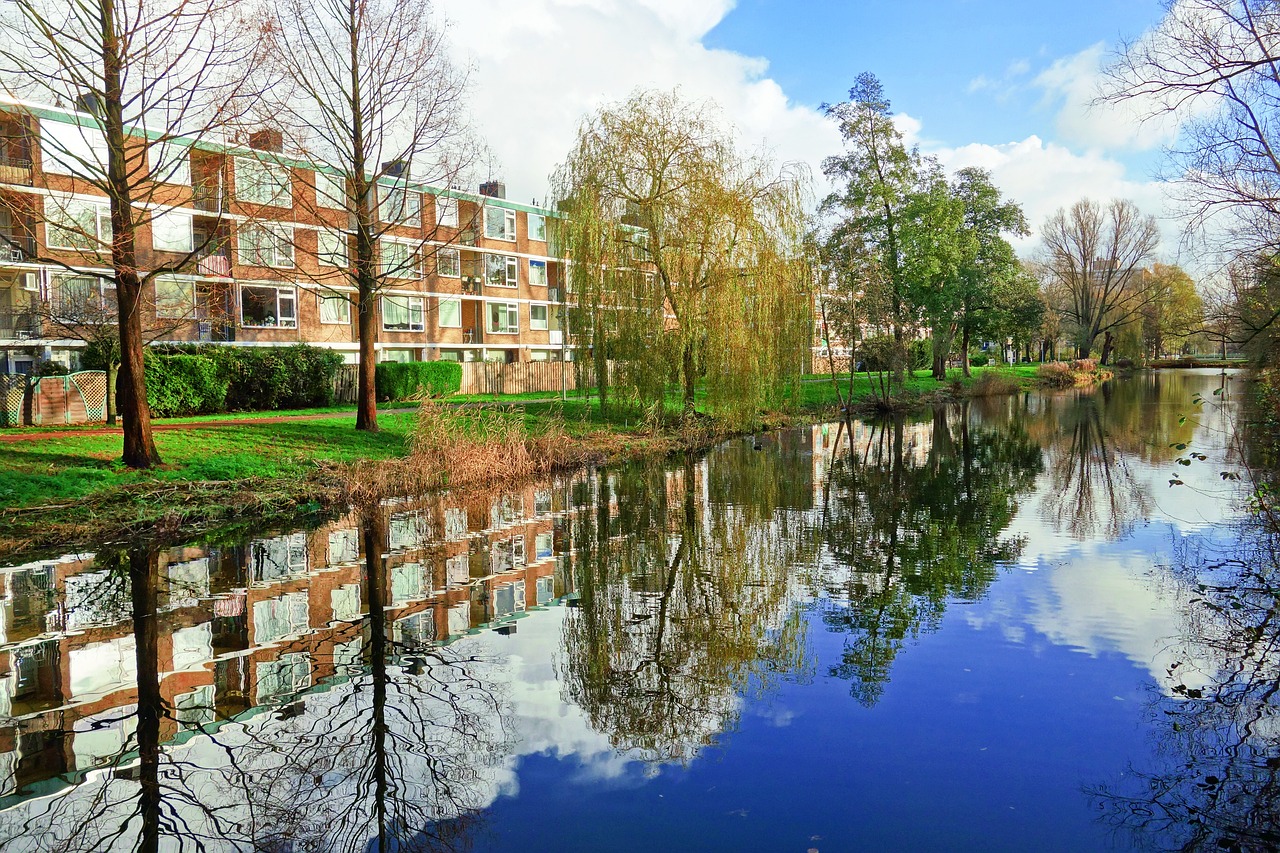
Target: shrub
x: 993, y: 384
x: 1057, y: 374
x: 269, y: 378
x: 979, y: 360
x: 407, y: 381
x: 1085, y: 365
x: 184, y: 385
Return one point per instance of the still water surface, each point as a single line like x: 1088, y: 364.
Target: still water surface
x: 993, y: 628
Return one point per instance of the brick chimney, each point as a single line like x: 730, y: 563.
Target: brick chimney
x: 494, y: 189
x: 267, y: 139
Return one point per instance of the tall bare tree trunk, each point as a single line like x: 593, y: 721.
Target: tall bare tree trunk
x: 139, y: 447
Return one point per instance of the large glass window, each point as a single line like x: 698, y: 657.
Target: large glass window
x: 537, y: 227
x: 504, y: 318
x: 331, y: 191
x: 502, y: 270
x: 399, y: 204
x: 265, y: 245
x: 76, y: 224
x: 171, y: 163
x: 538, y: 273
x: 399, y: 258
x: 449, y: 313
x: 175, y: 298
x: 402, y: 314
x: 446, y: 211
x: 448, y: 263
x: 171, y: 231
x: 335, y: 310
x: 499, y: 223
x: 84, y: 299
x: 538, y: 318
x: 263, y: 182
x: 263, y: 306
x: 331, y: 248
x: 69, y: 149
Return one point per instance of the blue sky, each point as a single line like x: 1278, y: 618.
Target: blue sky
x: 1002, y: 85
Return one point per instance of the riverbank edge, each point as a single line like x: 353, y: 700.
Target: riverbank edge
x: 174, y: 510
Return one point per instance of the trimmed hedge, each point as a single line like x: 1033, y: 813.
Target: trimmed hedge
x: 396, y: 381
x: 183, y: 385
x: 269, y: 378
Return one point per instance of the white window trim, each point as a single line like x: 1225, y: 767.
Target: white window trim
x: 326, y: 259
x: 508, y: 225
x: 546, y: 324
x: 440, y: 301
x: 415, y: 253
x: 409, y: 300
x: 342, y: 299
x: 447, y: 208
x: 546, y: 277
x: 278, y: 288
x: 457, y: 262
x: 281, y: 231
x: 511, y: 263
x: 189, y: 311
x: 529, y: 227
x: 285, y: 196
x: 489, y: 318
x: 102, y: 210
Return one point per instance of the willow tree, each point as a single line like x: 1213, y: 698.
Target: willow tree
x: 686, y: 258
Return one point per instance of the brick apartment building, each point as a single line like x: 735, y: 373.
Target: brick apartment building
x: 474, y: 277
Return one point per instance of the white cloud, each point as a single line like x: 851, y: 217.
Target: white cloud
x: 540, y: 66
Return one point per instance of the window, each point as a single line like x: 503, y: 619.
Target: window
x: 171, y: 231
x: 499, y: 223
x: 398, y: 356
x: 502, y: 270
x: 446, y: 211
x: 399, y: 258
x: 263, y: 306
x: 537, y: 227
x: 538, y: 318
x: 76, y: 224
x: 263, y: 182
x: 68, y: 149
x: 335, y: 310
x: 175, y: 298
x: 84, y: 298
x: 449, y: 313
x: 331, y: 248
x: 265, y: 245
x: 171, y: 163
x: 504, y: 318
x: 402, y: 314
x: 331, y: 191
x: 538, y: 273
x: 448, y: 263
x: 399, y: 204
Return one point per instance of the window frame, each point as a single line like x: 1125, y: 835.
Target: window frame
x: 420, y: 326
x: 336, y: 183
x: 291, y: 293
x: 282, y: 249
x: 410, y: 215
x: 440, y: 303
x: 415, y: 256
x: 445, y: 251
x: 77, y: 230
x: 189, y: 305
x: 542, y: 229
x: 546, y: 318
x: 446, y: 211
x: 326, y: 258
x: 342, y: 299
x: 508, y: 224
x: 510, y: 274
x: 282, y: 185
x: 542, y: 265
x: 511, y: 309
x: 173, y: 213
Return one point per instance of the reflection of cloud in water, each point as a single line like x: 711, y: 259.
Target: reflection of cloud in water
x: 1101, y: 602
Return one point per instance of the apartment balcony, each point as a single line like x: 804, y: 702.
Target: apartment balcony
x: 214, y: 264
x: 16, y: 170
x: 472, y: 285
x: 16, y: 249
x: 208, y: 198
x: 19, y: 325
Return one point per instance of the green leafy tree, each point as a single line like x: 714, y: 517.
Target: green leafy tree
x: 687, y: 258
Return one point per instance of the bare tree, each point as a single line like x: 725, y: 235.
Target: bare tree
x: 150, y: 78
x: 1094, y: 260
x: 1212, y: 66
x: 370, y: 95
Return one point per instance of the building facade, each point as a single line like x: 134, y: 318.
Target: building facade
x: 259, y: 243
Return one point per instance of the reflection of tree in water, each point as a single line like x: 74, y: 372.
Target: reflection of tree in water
x: 907, y: 532
x: 684, y: 607
x: 1094, y: 437
x: 1216, y: 782
x: 392, y: 759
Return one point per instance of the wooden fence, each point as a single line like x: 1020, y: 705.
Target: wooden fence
x: 346, y: 383
x: 521, y: 377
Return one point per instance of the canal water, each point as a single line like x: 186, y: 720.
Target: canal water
x: 999, y: 626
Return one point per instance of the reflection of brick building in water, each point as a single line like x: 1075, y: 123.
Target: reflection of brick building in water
x: 252, y: 625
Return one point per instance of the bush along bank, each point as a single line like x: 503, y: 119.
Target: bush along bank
x: 205, y: 380
x: 416, y: 379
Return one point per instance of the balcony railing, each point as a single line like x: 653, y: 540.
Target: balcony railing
x: 19, y: 325
x: 16, y: 249
x: 216, y: 264
x: 208, y: 198
x: 15, y: 170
